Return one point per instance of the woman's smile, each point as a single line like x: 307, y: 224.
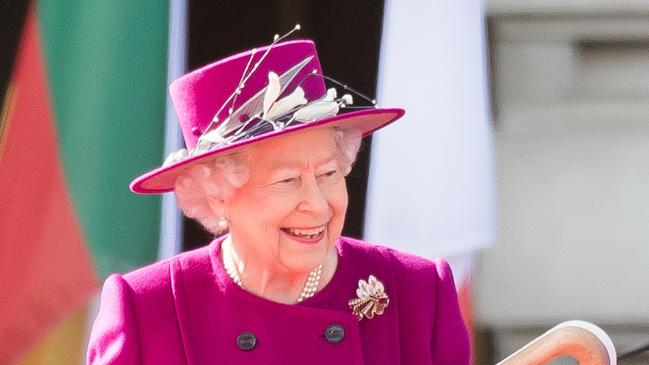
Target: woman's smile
x: 306, y: 235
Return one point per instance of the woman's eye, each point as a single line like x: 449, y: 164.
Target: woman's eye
x: 286, y: 181
x: 329, y: 173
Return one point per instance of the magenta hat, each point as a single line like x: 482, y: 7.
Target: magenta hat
x: 253, y: 96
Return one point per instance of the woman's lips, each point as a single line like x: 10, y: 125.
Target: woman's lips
x: 305, y: 235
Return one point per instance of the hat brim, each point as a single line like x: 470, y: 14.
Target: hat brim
x: 162, y: 179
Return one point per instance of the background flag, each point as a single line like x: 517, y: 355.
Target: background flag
x: 45, y: 270
x: 430, y: 188
x: 84, y: 114
x: 107, y: 65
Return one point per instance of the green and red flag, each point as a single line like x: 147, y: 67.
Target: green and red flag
x: 83, y: 113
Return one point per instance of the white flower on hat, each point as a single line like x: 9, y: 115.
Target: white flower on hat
x: 318, y: 109
x: 286, y: 104
x: 174, y: 157
x: 213, y: 136
x: 274, y: 108
x: 347, y: 99
x: 272, y: 92
x: 207, y: 141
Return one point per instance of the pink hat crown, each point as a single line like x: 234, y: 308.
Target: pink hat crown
x: 205, y: 98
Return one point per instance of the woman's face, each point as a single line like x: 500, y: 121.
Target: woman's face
x: 291, y: 211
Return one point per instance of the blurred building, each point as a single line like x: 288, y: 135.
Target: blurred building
x: 570, y: 89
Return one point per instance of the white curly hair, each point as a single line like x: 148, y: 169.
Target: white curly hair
x: 220, y: 177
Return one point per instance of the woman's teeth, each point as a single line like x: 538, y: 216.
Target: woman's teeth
x: 305, y: 233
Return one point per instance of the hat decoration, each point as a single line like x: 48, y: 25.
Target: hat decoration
x: 266, y: 111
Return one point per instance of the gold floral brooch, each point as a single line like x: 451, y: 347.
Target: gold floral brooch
x: 371, y: 300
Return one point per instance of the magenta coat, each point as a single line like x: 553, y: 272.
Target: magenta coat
x: 186, y: 310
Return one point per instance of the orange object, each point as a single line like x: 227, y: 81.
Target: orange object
x: 465, y: 299
x: 583, y: 341
x: 45, y: 270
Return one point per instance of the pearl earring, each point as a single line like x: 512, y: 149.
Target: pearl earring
x: 222, y: 223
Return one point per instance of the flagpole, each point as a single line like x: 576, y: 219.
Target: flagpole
x: 171, y: 218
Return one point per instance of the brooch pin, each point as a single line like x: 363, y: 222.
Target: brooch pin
x: 371, y: 300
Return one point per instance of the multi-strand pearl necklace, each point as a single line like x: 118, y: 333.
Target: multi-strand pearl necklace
x: 310, y: 287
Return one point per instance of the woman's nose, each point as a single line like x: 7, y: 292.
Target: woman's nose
x: 313, y: 199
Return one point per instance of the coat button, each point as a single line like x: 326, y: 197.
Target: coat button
x: 334, y: 333
x: 246, y: 341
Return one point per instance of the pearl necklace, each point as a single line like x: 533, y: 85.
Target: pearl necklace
x: 310, y: 287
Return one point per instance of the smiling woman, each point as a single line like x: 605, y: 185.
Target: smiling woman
x: 284, y: 202
x: 268, y: 152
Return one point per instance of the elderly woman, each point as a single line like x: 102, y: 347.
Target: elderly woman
x: 268, y: 152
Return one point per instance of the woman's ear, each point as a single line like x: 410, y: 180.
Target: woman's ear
x: 217, y: 205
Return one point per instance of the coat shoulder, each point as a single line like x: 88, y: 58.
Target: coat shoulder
x: 404, y: 265
x: 157, y: 277
x: 424, y: 293
x: 138, y: 315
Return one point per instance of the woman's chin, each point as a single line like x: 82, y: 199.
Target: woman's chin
x: 304, y: 254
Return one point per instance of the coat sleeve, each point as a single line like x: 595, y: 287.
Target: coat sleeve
x: 450, y: 340
x: 114, y: 337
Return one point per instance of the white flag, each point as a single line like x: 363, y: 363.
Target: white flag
x: 431, y: 174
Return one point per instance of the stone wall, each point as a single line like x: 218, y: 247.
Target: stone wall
x: 570, y: 85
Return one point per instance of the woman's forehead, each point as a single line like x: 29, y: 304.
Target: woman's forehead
x: 315, y: 147
x: 298, y: 161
